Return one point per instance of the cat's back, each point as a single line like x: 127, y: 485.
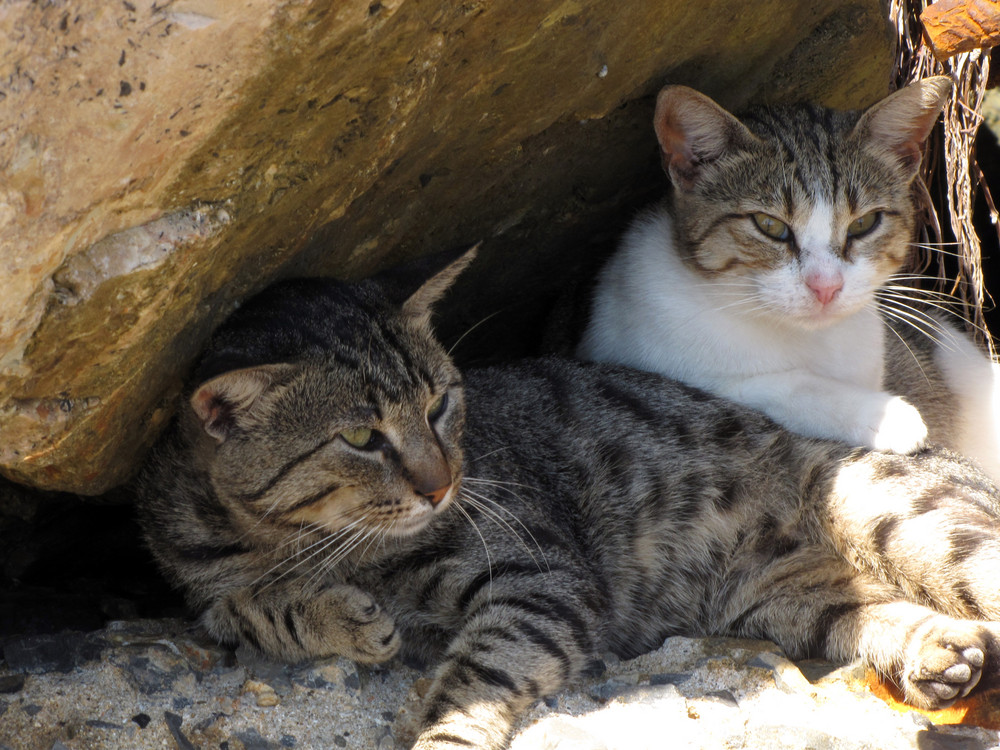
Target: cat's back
x: 604, y: 418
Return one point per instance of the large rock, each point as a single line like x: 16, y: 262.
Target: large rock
x: 161, y: 160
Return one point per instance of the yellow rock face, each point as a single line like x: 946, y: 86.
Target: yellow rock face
x: 160, y: 161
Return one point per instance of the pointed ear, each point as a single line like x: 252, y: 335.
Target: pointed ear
x: 901, y: 122
x: 419, y: 304
x: 693, y: 131
x: 230, y: 401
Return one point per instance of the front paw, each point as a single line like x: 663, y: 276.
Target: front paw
x: 944, y: 662
x: 901, y: 429
x: 352, y: 624
x: 290, y: 622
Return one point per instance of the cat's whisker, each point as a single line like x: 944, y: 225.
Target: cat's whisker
x: 500, y: 484
x: 326, y: 564
x: 479, y: 502
x: 936, y: 293
x: 942, y: 301
x: 307, y: 552
x: 482, y: 503
x: 317, y: 547
x: 938, y: 250
x: 942, y: 306
x: 902, y: 297
x: 380, y: 533
x: 908, y: 293
x: 919, y: 278
x: 295, y: 538
x: 321, y: 547
x: 486, y: 547
x: 758, y: 302
x: 734, y: 283
x: 919, y: 324
x: 473, y: 327
x: 497, y: 508
x: 934, y: 245
x: 916, y: 360
x: 921, y: 320
x: 491, y: 453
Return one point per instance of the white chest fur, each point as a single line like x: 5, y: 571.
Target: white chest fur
x: 653, y: 312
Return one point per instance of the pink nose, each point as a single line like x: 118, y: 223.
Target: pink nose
x: 825, y: 288
x: 436, y: 496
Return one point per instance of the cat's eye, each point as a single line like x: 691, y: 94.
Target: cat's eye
x: 437, y: 407
x: 864, y: 224
x: 776, y: 229
x: 359, y: 437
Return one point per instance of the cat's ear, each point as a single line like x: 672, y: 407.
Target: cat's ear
x: 230, y: 401
x: 419, y: 304
x: 901, y: 122
x: 694, y: 131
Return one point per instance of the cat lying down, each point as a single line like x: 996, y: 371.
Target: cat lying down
x: 773, y: 275
x: 336, y: 486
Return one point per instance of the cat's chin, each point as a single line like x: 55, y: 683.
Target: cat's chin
x: 816, y: 319
x: 407, y: 527
x: 816, y: 322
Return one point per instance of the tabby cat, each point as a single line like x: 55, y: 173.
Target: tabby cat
x: 334, y: 486
x: 771, y: 276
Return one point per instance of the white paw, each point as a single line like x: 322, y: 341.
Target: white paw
x: 901, y: 429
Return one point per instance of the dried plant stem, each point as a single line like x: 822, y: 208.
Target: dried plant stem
x: 956, y: 145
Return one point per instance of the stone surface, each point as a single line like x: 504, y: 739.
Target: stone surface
x: 160, y: 684
x: 160, y: 161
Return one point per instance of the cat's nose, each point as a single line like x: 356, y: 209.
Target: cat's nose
x: 436, y: 496
x: 825, y: 287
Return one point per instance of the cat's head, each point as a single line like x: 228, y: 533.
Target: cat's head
x: 330, y: 411
x: 800, y: 212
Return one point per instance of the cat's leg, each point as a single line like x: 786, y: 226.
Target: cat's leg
x: 288, y: 621
x: 813, y: 603
x: 822, y: 407
x: 929, y: 524
x: 525, y: 636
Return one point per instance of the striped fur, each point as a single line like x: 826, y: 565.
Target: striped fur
x: 595, y: 509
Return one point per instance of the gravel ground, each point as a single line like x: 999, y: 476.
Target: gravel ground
x: 161, y: 684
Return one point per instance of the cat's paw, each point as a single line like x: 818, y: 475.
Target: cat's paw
x: 290, y: 622
x: 351, y: 623
x: 944, y: 661
x: 901, y: 429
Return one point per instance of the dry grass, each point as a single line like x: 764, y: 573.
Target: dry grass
x: 956, y: 269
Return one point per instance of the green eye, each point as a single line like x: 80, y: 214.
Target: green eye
x: 438, y: 406
x: 773, y: 228
x: 361, y: 437
x: 864, y: 225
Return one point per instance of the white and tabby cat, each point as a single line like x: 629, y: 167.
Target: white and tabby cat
x: 762, y: 276
x: 582, y: 508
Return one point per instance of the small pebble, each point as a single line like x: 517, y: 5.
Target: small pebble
x: 266, y: 697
